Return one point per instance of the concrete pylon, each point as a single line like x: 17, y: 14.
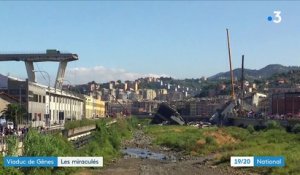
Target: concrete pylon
x: 29, y: 69
x: 60, y: 74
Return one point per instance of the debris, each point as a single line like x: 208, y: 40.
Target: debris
x: 167, y: 115
x: 199, y: 124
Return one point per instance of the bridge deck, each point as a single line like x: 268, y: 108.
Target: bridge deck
x: 39, y: 57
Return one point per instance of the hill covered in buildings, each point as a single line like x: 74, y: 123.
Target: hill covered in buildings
x: 261, y: 80
x: 252, y: 74
x: 288, y: 79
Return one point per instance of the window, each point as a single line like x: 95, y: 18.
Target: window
x: 39, y: 116
x: 44, y: 99
x: 14, y: 91
x: 30, y: 116
x: 40, y: 99
x: 35, y: 97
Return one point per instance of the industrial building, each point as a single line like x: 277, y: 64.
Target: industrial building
x: 46, y: 106
x: 286, y: 101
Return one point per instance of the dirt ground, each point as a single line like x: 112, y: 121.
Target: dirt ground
x: 183, y: 165
x: 135, y: 166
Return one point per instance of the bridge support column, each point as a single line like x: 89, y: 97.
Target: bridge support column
x: 60, y: 74
x: 30, y: 69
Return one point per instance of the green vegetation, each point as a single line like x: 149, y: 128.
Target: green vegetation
x: 12, y: 145
x: 296, y: 128
x: 79, y: 123
x: 36, y: 144
x: 8, y: 170
x: 271, y: 142
x: 107, y: 139
x: 106, y: 143
x: 183, y: 138
x: 136, y: 122
x: 15, y: 113
x: 250, y: 128
x: 233, y: 141
x: 273, y: 125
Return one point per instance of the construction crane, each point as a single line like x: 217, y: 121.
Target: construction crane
x: 227, y: 109
x: 231, y: 107
x: 230, y: 64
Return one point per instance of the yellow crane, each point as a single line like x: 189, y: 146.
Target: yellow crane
x: 230, y: 64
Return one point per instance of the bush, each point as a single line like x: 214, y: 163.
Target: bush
x: 79, y: 123
x: 37, y: 144
x: 296, y: 128
x: 12, y: 145
x: 273, y: 125
x: 250, y: 128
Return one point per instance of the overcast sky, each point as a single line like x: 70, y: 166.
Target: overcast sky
x: 126, y: 40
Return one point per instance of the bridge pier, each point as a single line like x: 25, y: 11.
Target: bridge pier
x: 30, y: 70
x: 60, y: 74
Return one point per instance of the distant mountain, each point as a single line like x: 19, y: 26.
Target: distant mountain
x: 265, y: 72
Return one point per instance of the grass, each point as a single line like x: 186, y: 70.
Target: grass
x: 183, y: 138
x: 233, y: 141
x: 107, y: 139
x: 272, y: 142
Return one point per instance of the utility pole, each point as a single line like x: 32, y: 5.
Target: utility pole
x: 27, y: 99
x: 242, y: 81
x: 20, y: 103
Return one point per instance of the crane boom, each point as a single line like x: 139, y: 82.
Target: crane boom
x: 231, y: 71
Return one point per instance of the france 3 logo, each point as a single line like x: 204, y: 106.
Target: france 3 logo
x: 276, y: 18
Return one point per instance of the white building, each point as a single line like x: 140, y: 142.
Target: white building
x: 62, y: 106
x: 42, y: 110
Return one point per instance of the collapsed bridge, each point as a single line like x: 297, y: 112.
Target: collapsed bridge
x: 50, y: 55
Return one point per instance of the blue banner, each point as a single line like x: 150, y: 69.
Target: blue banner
x: 269, y: 161
x: 53, y: 161
x: 30, y: 161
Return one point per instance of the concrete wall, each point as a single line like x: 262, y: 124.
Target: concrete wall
x: 75, y: 131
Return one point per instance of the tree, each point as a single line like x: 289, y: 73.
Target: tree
x: 14, y: 112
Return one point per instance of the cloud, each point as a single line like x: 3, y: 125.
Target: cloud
x: 100, y: 74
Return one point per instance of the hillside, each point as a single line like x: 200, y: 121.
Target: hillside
x: 262, y: 73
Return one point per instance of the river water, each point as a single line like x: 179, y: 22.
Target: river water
x: 145, y: 154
